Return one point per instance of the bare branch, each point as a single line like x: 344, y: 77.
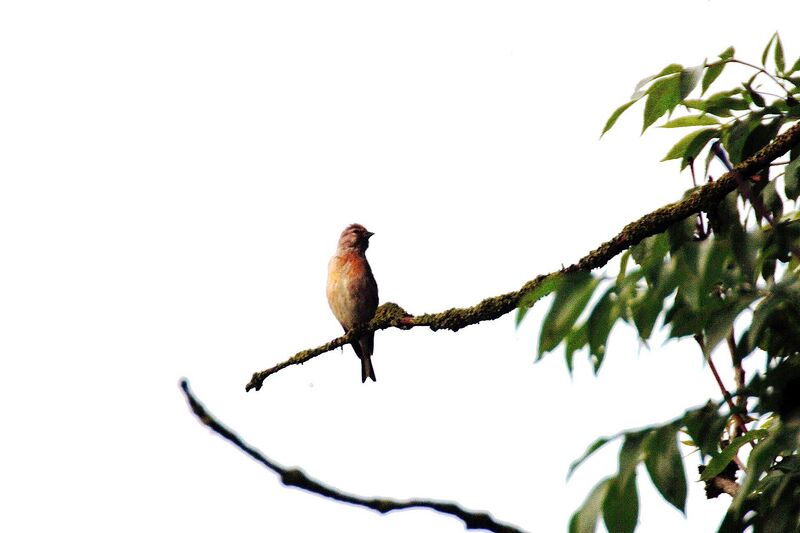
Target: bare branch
x: 702, y: 199
x: 293, y: 477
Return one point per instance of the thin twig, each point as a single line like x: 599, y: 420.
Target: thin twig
x: 762, y: 71
x: 293, y: 477
x: 738, y: 372
x: 703, y: 198
x: 727, y: 395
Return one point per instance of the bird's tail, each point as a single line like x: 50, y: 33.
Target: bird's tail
x: 366, y: 368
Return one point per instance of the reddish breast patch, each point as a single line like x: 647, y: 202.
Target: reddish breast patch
x: 353, y: 265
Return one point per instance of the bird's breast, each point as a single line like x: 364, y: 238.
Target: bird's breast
x: 352, y: 291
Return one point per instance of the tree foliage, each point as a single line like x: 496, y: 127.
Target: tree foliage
x: 734, y: 265
x: 726, y: 277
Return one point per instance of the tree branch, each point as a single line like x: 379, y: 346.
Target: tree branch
x: 724, y: 482
x: 725, y: 485
x: 702, y: 199
x: 738, y: 372
x: 293, y: 477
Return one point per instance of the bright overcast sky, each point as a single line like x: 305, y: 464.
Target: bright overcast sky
x: 175, y: 176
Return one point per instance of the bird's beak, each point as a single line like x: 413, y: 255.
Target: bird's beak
x: 369, y: 234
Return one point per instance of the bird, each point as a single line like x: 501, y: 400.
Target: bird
x: 352, y: 291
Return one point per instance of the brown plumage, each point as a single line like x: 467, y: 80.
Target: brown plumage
x: 352, y: 291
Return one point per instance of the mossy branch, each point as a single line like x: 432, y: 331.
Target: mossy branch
x: 391, y: 315
x: 293, y: 477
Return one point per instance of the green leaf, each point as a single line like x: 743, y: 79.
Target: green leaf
x: 691, y: 145
x: 728, y: 53
x: 690, y: 77
x: 662, y: 97
x: 545, y: 287
x: 631, y: 454
x: 646, y: 311
x: 615, y: 115
x: 600, y: 322
x: 691, y: 120
x: 628, y: 290
x: 665, y: 465
x: 674, y: 68
x: 681, y: 317
x: 718, y: 463
x: 701, y: 270
x: 772, y: 200
x: 623, y: 266
x: 681, y: 232
x: 791, y: 179
x: 725, y: 217
x: 795, y: 67
x: 596, y: 445
x: 577, y: 339
x: 762, y: 457
x: 735, y: 136
x: 696, y: 146
x: 766, y: 49
x: 745, y: 247
x: 779, y: 60
x: 705, y: 426
x: 712, y: 73
x: 720, y: 104
x: 713, y: 256
x: 649, y: 254
x: 754, y: 95
x: 770, y: 310
x: 585, y: 518
x: 570, y: 300
x: 768, y: 269
x: 720, y: 323
x: 621, y: 505
x: 759, y: 137
x: 709, y: 157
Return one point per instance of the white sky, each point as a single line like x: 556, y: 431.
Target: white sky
x: 174, y: 179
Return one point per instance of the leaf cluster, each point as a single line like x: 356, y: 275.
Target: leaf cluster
x: 736, y: 264
x: 616, y: 497
x: 744, y: 118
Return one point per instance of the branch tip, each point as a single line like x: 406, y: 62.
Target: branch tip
x: 294, y: 477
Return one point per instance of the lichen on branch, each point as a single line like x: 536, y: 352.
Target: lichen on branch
x: 391, y: 315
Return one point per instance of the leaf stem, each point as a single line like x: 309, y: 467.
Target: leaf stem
x: 761, y: 70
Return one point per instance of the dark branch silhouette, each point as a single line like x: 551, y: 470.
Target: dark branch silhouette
x: 390, y: 315
x: 293, y: 477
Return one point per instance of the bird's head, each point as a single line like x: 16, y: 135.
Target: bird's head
x: 354, y: 237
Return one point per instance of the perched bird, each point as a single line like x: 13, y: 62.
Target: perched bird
x: 352, y: 291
